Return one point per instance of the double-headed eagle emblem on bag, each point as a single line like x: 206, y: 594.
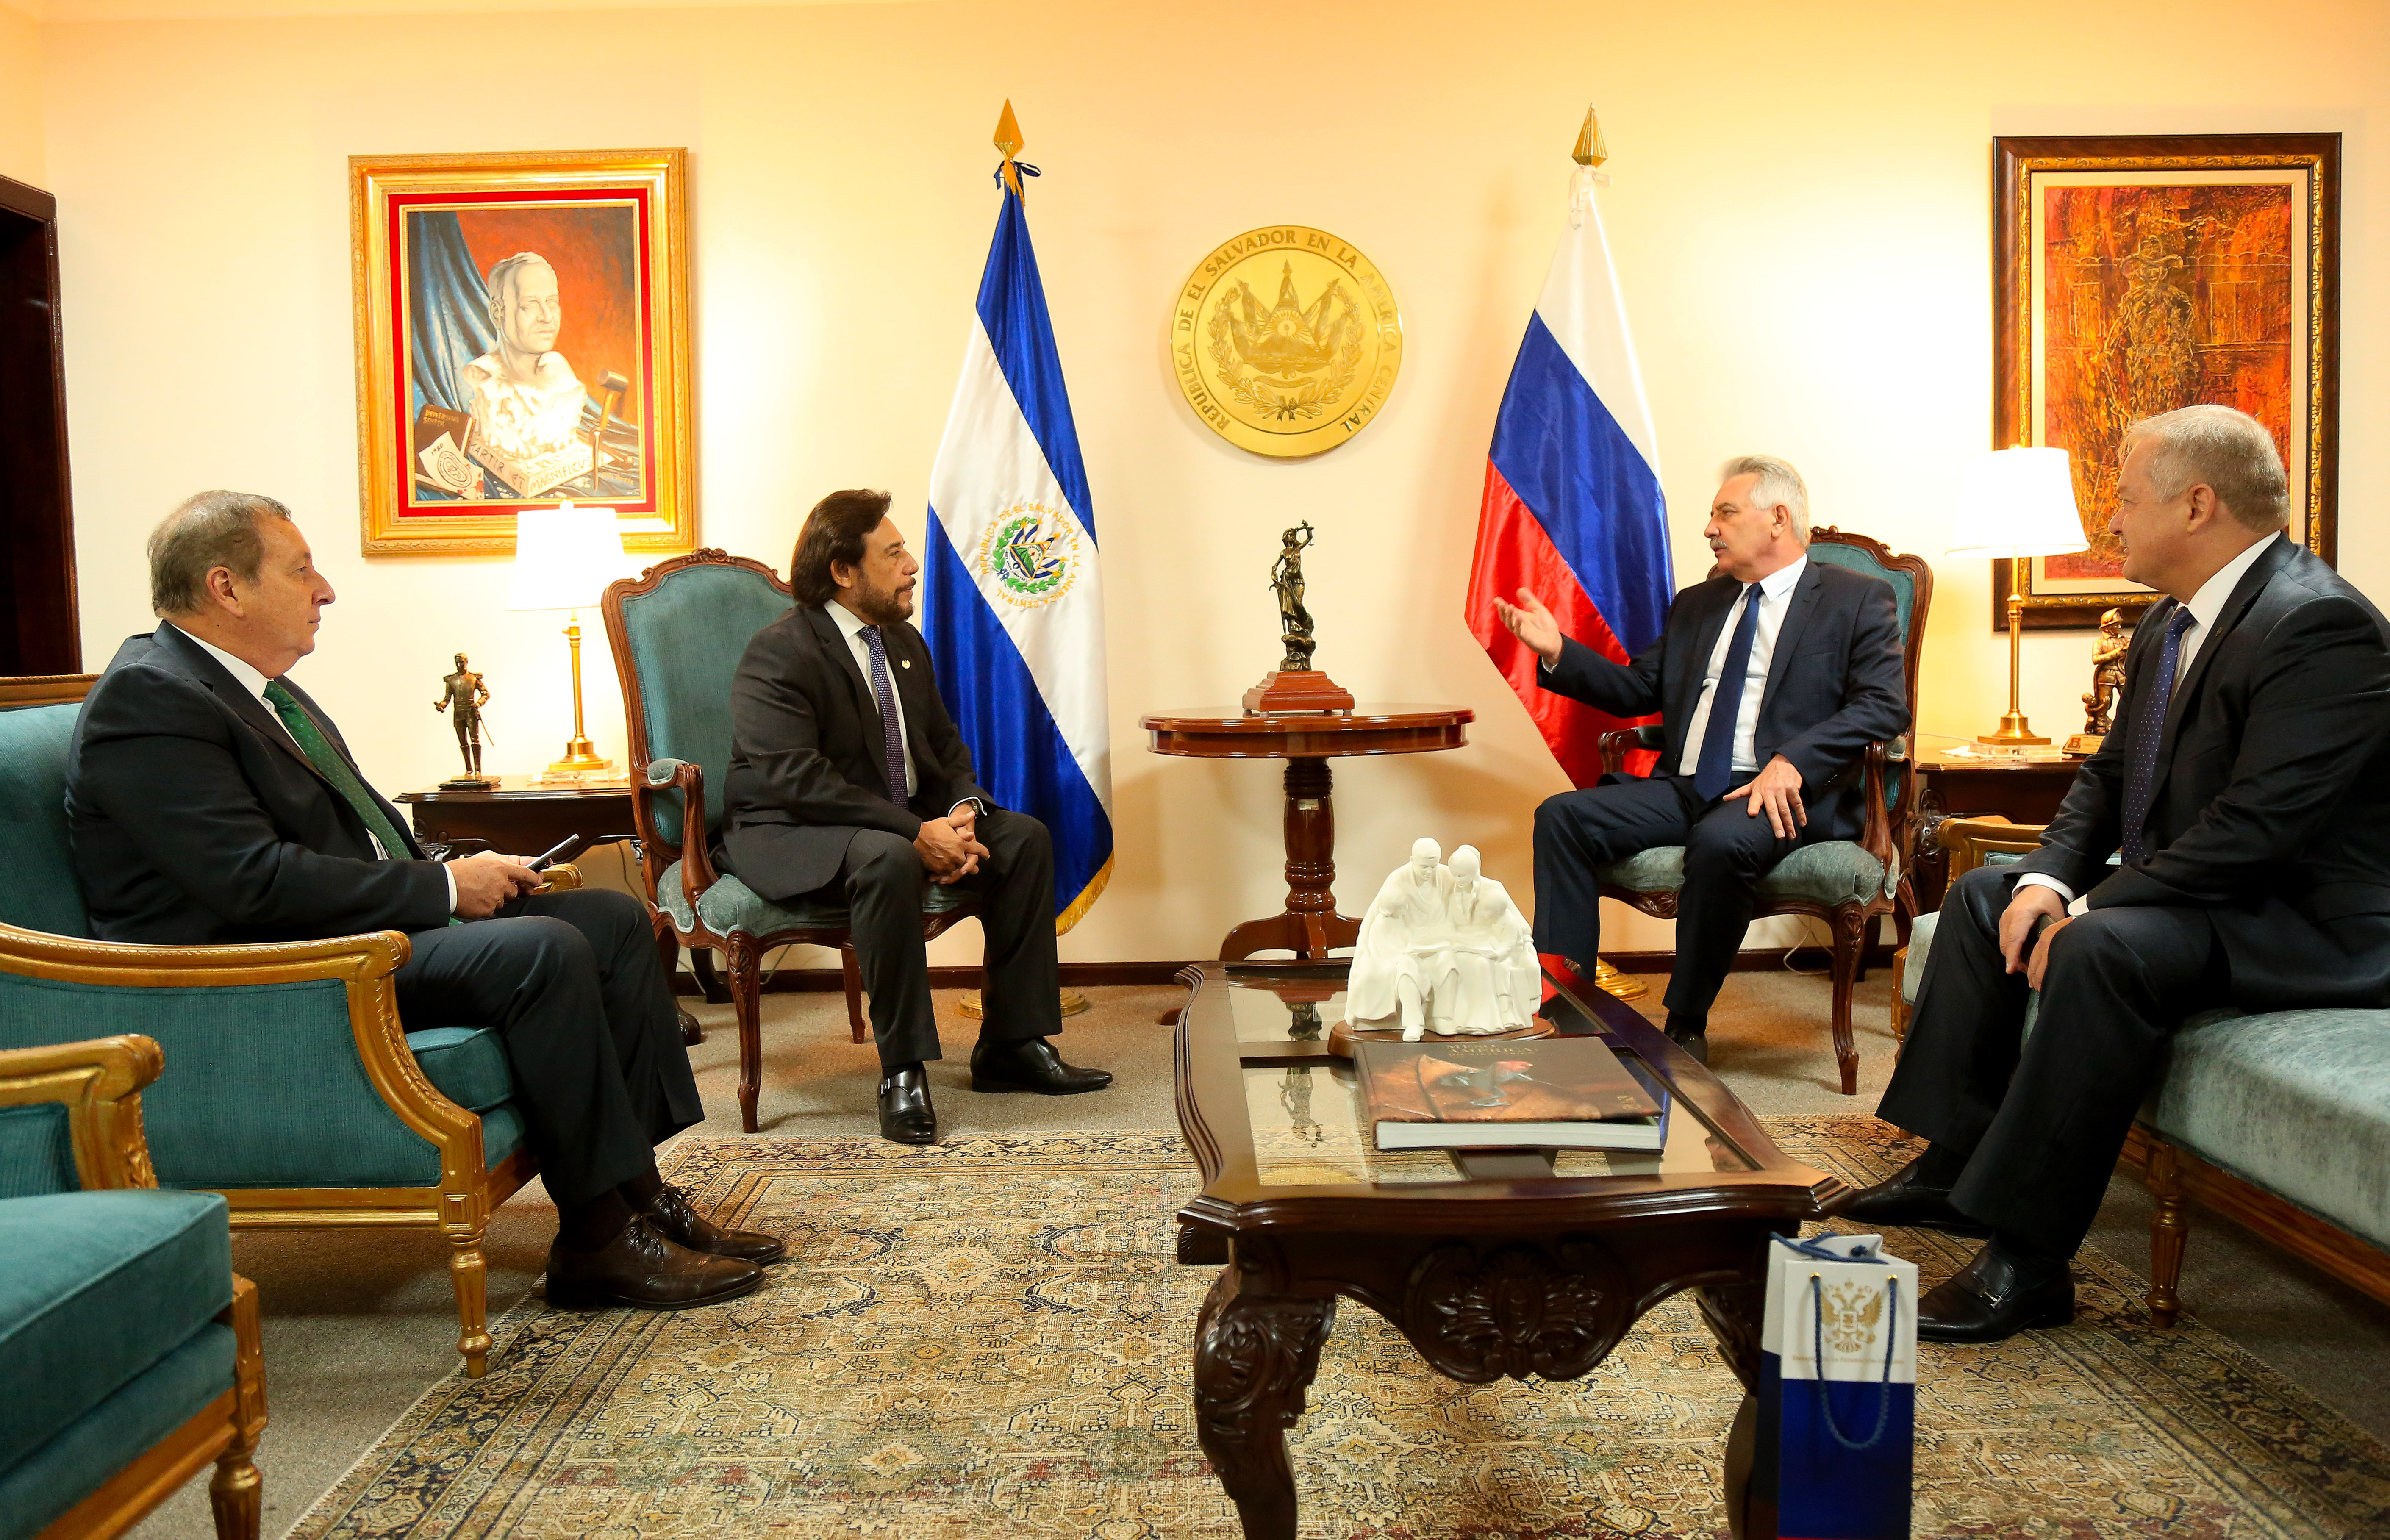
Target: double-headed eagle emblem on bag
x: 1296, y: 373
x: 1849, y: 1313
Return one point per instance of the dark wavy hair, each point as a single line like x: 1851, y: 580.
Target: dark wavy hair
x: 834, y: 531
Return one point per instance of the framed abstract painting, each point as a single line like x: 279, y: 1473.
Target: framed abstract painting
x: 523, y: 340
x: 2135, y: 275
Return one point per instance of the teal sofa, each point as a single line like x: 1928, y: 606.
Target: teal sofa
x: 2279, y: 1121
x: 128, y: 1347
x: 295, y: 1091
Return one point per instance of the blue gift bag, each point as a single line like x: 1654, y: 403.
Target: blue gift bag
x: 1837, y: 1390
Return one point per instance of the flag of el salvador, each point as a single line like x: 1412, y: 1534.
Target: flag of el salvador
x: 1013, y: 605
x: 1573, y: 509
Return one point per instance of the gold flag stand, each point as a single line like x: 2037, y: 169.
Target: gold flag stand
x: 1617, y: 986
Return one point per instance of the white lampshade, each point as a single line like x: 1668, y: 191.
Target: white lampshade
x: 565, y: 557
x: 2018, y: 503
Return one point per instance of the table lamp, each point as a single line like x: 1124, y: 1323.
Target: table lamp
x: 2018, y: 504
x: 564, y: 557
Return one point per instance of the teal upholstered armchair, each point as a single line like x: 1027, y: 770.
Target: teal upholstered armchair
x: 1847, y: 883
x: 128, y: 1346
x: 292, y: 1087
x: 678, y: 632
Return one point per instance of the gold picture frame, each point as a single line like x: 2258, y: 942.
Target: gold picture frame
x: 2133, y: 275
x: 523, y: 340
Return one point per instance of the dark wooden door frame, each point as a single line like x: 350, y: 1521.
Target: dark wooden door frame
x: 37, y: 574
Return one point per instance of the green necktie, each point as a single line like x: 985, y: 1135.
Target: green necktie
x: 335, y: 768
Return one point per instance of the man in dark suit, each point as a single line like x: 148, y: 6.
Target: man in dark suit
x: 849, y: 783
x: 1771, y: 678
x: 2245, y: 787
x: 212, y: 801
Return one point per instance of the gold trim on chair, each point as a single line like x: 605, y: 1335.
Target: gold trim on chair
x: 458, y: 1206
x: 99, y: 1084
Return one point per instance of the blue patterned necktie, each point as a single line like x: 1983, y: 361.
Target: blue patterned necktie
x: 2149, y: 725
x: 1714, y: 771
x: 891, y: 733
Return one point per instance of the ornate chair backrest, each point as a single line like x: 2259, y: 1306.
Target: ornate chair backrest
x: 678, y: 631
x: 1912, y: 593
x: 39, y: 891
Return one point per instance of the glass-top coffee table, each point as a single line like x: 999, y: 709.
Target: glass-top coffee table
x: 1491, y: 1262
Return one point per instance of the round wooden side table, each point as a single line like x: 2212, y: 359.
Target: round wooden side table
x: 1306, y: 740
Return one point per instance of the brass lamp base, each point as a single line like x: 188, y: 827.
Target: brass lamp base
x: 1072, y: 1003
x: 581, y: 758
x: 2013, y: 729
x: 1617, y: 986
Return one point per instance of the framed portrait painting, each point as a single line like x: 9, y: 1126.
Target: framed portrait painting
x: 522, y: 340
x: 2135, y: 275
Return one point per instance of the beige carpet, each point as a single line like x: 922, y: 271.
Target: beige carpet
x: 991, y: 1338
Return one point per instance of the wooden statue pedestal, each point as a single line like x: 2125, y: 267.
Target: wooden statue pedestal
x: 1343, y: 1036
x: 1299, y: 691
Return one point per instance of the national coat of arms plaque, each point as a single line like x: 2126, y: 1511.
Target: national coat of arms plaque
x: 1286, y: 341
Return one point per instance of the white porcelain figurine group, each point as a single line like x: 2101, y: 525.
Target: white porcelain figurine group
x: 1442, y: 949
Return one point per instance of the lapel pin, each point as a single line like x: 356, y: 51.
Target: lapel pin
x: 903, y: 662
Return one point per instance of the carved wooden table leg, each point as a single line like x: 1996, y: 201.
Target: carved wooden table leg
x: 1310, y: 925
x: 1735, y: 1312
x: 1255, y: 1357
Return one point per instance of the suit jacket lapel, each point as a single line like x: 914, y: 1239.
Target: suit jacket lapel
x: 2245, y: 593
x: 196, y: 663
x: 841, y: 655
x: 1788, y: 634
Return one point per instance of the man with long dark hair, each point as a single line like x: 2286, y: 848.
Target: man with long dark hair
x: 849, y: 784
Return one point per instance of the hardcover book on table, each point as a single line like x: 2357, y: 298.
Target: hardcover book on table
x: 1562, y: 1093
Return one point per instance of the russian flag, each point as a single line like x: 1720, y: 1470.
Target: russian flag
x: 1573, y: 508
x: 1013, y: 606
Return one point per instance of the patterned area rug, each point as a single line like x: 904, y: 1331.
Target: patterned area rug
x: 990, y: 1339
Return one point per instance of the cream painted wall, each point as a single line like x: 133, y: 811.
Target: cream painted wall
x: 1800, y: 216
x: 20, y: 97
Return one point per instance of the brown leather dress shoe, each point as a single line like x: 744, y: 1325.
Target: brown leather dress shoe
x: 676, y: 1219
x: 642, y: 1269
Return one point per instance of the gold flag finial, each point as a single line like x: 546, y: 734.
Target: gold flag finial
x: 1008, y: 139
x: 1591, y: 150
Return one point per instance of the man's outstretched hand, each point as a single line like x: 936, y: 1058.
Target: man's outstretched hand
x: 1776, y: 791
x: 1533, y: 624
x: 950, y: 847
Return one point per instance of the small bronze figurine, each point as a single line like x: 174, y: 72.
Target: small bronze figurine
x: 2107, y: 675
x: 469, y: 695
x: 1286, y: 578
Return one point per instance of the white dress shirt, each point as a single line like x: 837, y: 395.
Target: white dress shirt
x: 850, y: 626
x: 2205, y: 606
x: 1775, y: 597
x: 247, y: 678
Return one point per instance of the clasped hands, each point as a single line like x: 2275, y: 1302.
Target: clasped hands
x: 1776, y: 790
x: 2032, y: 902
x: 949, y: 846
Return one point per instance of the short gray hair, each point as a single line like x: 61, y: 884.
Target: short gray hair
x: 212, y: 530
x: 502, y: 276
x: 1777, y: 484
x: 2229, y: 452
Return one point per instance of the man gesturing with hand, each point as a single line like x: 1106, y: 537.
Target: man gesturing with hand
x: 850, y: 785
x: 1770, y: 679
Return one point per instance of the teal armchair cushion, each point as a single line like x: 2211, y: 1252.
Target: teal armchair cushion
x: 1904, y: 587
x: 103, y: 1441
x: 36, y: 1151
x: 263, y: 1087
x: 686, y: 637
x: 1921, y: 942
x: 40, y: 892
x: 95, y: 1288
x: 1830, y: 872
x: 731, y: 905
x: 467, y: 1065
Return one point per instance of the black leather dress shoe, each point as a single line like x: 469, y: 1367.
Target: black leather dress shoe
x: 1031, y: 1064
x: 676, y: 1219
x: 1693, y: 1040
x: 906, y: 1114
x: 641, y: 1268
x: 1903, y: 1201
x: 1992, y: 1301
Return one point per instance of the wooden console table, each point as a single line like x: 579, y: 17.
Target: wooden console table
x: 2024, y: 791
x: 1309, y: 925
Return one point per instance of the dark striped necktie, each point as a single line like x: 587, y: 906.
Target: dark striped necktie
x: 334, y: 766
x: 1713, y: 771
x: 892, y: 731
x: 2149, y: 725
